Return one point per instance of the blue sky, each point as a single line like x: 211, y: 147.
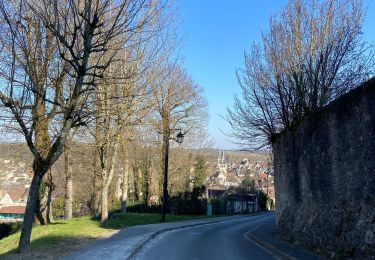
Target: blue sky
x: 217, y: 32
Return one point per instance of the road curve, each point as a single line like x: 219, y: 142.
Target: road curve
x: 223, y: 240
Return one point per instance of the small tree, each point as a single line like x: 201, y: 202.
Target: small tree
x: 178, y: 104
x: 248, y: 184
x: 200, y: 169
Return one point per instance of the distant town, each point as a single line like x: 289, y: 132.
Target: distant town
x: 225, y: 174
x: 222, y: 175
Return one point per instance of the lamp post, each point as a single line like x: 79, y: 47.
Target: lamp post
x: 258, y: 202
x: 179, y: 139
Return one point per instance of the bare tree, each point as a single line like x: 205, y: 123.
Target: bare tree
x: 107, y: 135
x: 142, y: 73
x: 68, y: 202
x: 122, y: 101
x: 52, y: 55
x: 124, y: 177
x: 178, y: 105
x: 312, y: 53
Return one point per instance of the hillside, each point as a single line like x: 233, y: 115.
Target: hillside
x: 16, y: 170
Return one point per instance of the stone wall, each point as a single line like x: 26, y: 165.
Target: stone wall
x: 325, y: 177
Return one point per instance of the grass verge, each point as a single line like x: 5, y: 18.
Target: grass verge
x: 135, y: 219
x: 62, y: 237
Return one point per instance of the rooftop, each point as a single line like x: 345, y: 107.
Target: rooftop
x: 12, y: 210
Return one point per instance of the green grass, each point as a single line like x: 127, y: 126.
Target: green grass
x: 63, y: 236
x: 135, y: 219
x: 61, y: 232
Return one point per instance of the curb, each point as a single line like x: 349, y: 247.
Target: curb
x: 142, y: 243
x: 276, y: 253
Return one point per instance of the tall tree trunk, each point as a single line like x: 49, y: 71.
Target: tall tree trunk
x: 165, y: 151
x: 136, y: 182
x: 49, y: 215
x: 97, y: 201
x: 44, y: 213
x: 124, y: 183
x: 104, y: 204
x: 97, y: 187
x: 140, y: 183
x: 31, y: 208
x: 39, y: 211
x: 107, y: 176
x: 68, y: 207
x: 146, y: 183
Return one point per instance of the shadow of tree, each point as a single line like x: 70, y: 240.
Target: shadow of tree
x: 50, y: 247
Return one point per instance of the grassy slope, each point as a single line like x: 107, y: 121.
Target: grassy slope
x: 62, y: 237
x: 134, y: 219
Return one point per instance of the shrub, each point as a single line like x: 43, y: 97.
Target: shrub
x: 137, y: 207
x: 263, y: 200
x: 58, y: 207
x: 189, y: 203
x: 7, y: 229
x: 186, y: 203
x: 219, y: 206
x: 79, y: 210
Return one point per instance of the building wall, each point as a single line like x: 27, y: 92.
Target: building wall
x: 237, y: 207
x: 325, y: 177
x: 6, y: 200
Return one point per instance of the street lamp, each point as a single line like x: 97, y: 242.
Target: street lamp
x: 166, y: 138
x: 180, y: 137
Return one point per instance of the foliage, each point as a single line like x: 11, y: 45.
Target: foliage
x: 248, y: 183
x: 7, y: 229
x: 246, y: 186
x: 263, y: 200
x: 189, y: 202
x: 200, y: 171
x: 58, y: 208
x: 144, y: 208
x: 270, y: 204
x: 184, y: 203
x: 219, y: 206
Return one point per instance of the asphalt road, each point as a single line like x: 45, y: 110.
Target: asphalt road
x: 224, y: 240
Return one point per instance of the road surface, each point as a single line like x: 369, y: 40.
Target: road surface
x: 235, y: 237
x: 223, y: 240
